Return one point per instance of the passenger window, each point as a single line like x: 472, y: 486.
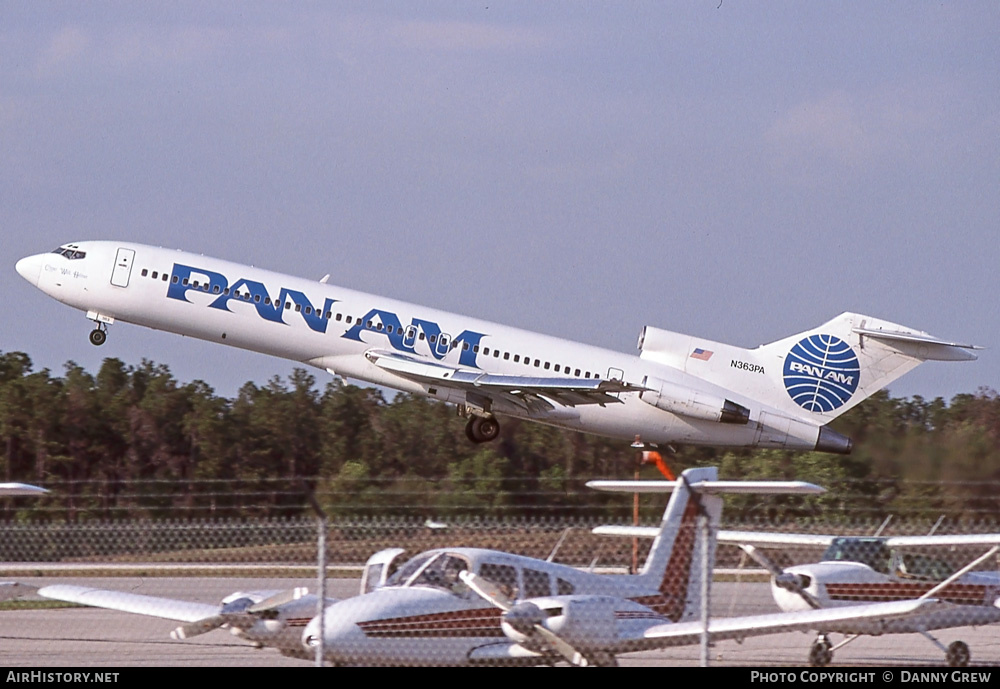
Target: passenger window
x: 145, y: 272
x: 165, y: 277
x: 536, y: 583
x: 506, y: 356
x: 503, y: 576
x: 156, y: 274
x: 486, y: 350
x: 546, y: 367
x: 517, y: 358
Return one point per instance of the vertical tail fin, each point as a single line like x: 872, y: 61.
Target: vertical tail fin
x: 675, y: 562
x: 816, y: 375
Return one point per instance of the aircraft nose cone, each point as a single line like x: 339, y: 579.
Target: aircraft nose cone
x: 30, y: 267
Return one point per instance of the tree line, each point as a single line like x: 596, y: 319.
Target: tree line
x: 132, y: 441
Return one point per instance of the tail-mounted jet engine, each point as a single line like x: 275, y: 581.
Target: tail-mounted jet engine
x: 678, y: 399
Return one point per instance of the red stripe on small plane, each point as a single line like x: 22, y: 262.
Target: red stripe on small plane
x: 481, y: 622
x: 677, y: 575
x: 961, y: 594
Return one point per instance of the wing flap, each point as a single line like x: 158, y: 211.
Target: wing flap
x: 531, y: 393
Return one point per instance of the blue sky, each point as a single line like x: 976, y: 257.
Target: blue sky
x: 739, y: 171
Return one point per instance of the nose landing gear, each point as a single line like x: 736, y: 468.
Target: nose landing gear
x: 99, y: 335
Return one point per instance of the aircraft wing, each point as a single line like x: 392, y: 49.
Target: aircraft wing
x: 167, y: 608
x: 719, y: 628
x: 530, y: 393
x: 778, y: 540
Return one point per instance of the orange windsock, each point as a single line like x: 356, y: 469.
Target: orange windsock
x: 654, y: 457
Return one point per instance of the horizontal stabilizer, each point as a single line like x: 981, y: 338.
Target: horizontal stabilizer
x: 922, y: 345
x: 711, y: 487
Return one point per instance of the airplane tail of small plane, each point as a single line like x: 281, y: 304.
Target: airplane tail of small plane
x: 814, y: 376
x: 681, y: 550
x: 675, y: 562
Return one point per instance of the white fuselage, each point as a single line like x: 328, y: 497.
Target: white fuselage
x: 420, y: 620
x: 332, y: 328
x: 973, y: 598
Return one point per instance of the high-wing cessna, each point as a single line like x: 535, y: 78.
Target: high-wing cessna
x: 468, y: 606
x: 680, y: 389
x: 858, y: 569
x: 264, y: 618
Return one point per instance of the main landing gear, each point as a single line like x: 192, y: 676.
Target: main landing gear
x: 99, y: 335
x: 821, y: 652
x: 482, y: 429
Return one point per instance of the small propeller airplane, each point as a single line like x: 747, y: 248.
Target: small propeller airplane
x: 271, y: 619
x: 679, y: 389
x: 470, y: 606
x: 854, y: 570
x: 857, y: 570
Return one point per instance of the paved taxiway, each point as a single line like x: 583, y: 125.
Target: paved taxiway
x: 90, y: 637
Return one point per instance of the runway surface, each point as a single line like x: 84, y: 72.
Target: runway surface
x: 94, y: 638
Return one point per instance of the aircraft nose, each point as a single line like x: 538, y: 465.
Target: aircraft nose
x: 30, y: 267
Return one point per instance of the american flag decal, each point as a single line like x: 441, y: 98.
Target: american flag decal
x: 701, y: 354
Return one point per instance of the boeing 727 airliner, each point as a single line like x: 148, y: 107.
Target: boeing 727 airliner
x: 680, y: 389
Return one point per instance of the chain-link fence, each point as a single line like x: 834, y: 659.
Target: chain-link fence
x: 867, y: 559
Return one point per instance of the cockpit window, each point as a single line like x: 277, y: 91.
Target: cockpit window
x: 439, y: 570
x: 442, y: 572
x: 408, y: 570
x: 913, y: 566
x: 868, y: 551
x: 70, y: 252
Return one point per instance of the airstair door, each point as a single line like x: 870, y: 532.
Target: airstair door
x: 123, y: 267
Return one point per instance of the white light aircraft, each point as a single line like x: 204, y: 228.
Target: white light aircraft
x: 855, y: 570
x: 469, y: 606
x: 272, y: 619
x: 680, y: 389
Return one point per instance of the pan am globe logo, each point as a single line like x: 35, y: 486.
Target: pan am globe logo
x: 821, y: 373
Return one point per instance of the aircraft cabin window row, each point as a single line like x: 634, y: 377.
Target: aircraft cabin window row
x: 444, y: 338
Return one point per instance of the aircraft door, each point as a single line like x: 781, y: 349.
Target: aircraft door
x: 123, y: 267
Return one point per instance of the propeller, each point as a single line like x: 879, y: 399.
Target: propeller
x: 786, y: 580
x: 525, y: 618
x: 240, y: 612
